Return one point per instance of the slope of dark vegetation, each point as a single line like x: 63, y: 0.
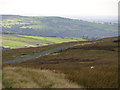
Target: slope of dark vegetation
x: 93, y: 66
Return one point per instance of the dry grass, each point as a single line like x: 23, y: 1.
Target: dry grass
x: 18, y: 77
x: 0, y: 79
x: 76, y: 64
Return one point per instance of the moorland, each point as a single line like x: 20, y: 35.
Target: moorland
x: 89, y: 66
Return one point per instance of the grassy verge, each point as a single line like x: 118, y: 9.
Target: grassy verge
x: 18, y: 77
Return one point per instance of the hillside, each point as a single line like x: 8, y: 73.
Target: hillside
x: 94, y: 65
x: 56, y: 27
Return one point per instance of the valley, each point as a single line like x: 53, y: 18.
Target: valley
x: 57, y: 52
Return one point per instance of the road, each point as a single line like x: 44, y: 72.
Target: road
x: 44, y: 53
x: 50, y: 51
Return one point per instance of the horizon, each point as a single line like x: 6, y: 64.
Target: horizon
x: 109, y: 19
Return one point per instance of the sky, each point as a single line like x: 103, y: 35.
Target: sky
x: 67, y: 8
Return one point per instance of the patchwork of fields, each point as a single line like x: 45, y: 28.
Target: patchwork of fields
x: 56, y: 26
x: 20, y: 41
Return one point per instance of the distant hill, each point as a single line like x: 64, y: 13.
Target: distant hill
x: 56, y: 27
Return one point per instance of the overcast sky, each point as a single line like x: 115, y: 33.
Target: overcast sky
x: 60, y: 7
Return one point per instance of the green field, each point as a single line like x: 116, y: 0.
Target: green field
x: 19, y: 41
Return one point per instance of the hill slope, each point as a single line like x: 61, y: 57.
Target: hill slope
x: 55, y: 27
x: 93, y: 66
